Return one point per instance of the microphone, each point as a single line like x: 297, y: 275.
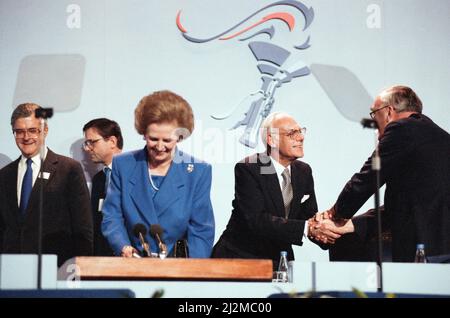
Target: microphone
x: 369, y: 123
x: 139, y: 231
x: 156, y: 231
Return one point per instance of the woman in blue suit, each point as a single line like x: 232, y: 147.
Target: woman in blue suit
x: 160, y: 184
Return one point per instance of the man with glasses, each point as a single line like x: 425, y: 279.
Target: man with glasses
x: 415, y: 166
x: 67, y: 223
x: 274, y: 195
x: 103, y: 140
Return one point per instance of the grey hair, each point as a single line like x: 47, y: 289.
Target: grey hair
x: 266, y: 126
x: 402, y: 98
x: 23, y: 111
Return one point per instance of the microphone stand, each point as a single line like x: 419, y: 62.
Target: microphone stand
x: 41, y: 206
x: 162, y: 247
x: 376, y: 167
x: 145, y: 247
x: 43, y: 114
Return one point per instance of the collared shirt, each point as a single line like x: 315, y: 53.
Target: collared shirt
x: 22, y: 168
x: 279, y: 168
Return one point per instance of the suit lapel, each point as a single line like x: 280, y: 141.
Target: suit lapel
x: 271, y: 182
x: 49, y: 167
x: 298, y: 187
x: 141, y: 191
x: 11, y: 192
x: 169, y: 192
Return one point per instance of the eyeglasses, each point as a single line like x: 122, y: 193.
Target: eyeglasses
x: 294, y: 134
x: 31, y: 132
x: 89, y: 143
x: 372, y: 113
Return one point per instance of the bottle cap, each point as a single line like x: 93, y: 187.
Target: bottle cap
x: 283, y: 253
x: 421, y: 246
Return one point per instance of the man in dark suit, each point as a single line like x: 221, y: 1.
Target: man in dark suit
x: 67, y: 225
x: 103, y: 140
x: 274, y: 195
x: 415, y: 165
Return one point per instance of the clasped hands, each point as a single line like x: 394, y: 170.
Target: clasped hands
x: 326, y: 228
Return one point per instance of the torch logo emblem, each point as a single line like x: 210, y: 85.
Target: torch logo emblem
x: 271, y: 60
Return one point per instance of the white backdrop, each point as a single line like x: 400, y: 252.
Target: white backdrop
x: 98, y: 58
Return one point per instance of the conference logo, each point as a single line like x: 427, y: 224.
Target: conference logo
x: 273, y: 59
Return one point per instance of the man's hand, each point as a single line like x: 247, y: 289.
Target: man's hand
x: 325, y: 228
x: 327, y: 214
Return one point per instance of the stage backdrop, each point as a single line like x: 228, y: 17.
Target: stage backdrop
x: 321, y: 61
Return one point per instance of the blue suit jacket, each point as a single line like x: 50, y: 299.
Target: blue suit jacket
x: 182, y: 206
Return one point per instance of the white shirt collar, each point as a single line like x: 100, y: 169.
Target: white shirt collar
x: 36, y: 158
x: 279, y: 168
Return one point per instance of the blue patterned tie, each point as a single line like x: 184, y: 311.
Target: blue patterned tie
x: 27, y: 185
x: 107, y: 171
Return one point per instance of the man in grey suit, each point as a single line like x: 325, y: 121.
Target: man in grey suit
x: 274, y: 195
x: 67, y: 222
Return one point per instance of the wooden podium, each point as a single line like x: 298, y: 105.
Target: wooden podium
x: 210, y: 269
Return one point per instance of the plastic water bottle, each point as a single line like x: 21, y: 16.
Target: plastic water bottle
x: 283, y: 268
x: 420, y: 254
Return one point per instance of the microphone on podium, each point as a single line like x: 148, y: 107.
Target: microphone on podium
x: 156, y: 231
x: 139, y: 231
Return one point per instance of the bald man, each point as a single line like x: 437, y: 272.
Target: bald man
x: 274, y: 195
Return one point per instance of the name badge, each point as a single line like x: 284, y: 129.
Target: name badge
x: 45, y: 175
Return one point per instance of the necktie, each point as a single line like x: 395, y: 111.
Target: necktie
x: 107, y: 171
x: 286, y: 191
x: 27, y: 186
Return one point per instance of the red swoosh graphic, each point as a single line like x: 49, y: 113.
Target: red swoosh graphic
x: 283, y: 16
x: 180, y: 27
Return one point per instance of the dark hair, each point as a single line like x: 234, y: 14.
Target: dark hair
x: 163, y: 107
x: 23, y: 110
x: 106, y: 128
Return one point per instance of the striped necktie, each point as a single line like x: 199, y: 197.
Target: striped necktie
x: 286, y: 191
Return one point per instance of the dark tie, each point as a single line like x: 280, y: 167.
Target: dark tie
x: 107, y: 171
x: 27, y: 185
x: 286, y: 191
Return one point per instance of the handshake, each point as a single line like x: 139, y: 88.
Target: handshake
x: 326, y: 228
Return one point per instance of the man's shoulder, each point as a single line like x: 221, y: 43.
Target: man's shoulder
x: 415, y: 119
x: 301, y: 165
x: 258, y: 164
x: 9, y: 167
x: 67, y: 161
x: 410, y: 128
x: 257, y: 159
